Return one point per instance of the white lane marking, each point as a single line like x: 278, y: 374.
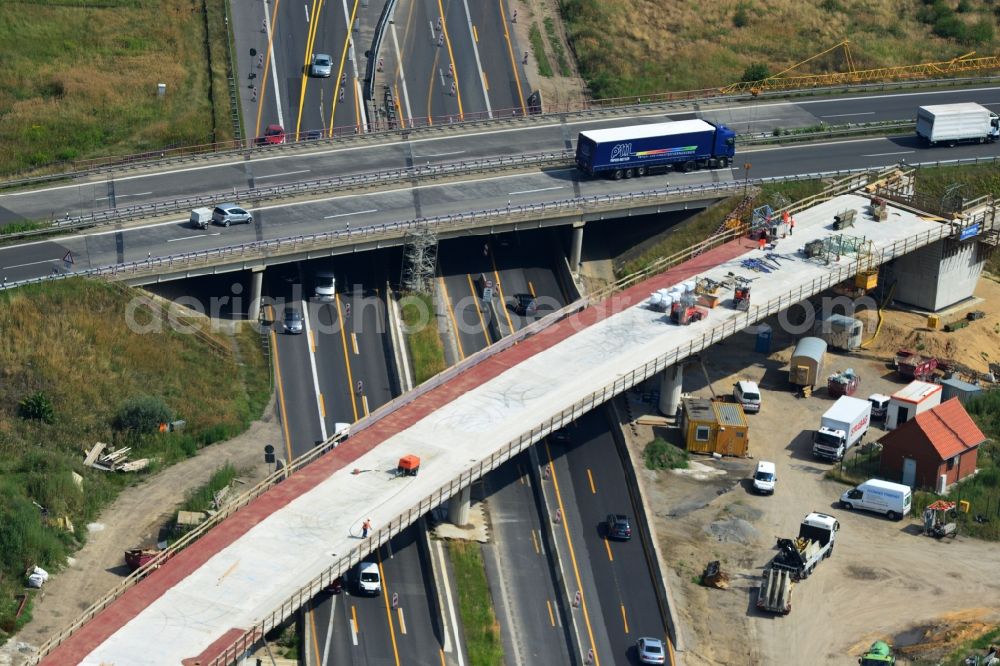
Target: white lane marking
x: 360, y: 212
x: 285, y: 173
x: 329, y: 631
x: 430, y: 24
x: 761, y: 120
x: 402, y: 622
x: 451, y: 606
x: 479, y: 63
x: 402, y: 73
x: 354, y: 61
x: 845, y: 115
x: 901, y: 152
x: 312, y: 364
x: 119, y: 196
x: 582, y: 121
x: 306, y: 7
x: 184, y: 238
x: 540, y: 189
x: 452, y: 152
x: 32, y: 263
x: 274, y: 69
x: 354, y: 631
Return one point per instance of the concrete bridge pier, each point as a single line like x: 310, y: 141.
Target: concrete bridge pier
x: 671, y: 382
x: 458, y: 507
x: 576, y: 246
x: 256, y: 292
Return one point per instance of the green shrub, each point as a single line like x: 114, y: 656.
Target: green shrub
x: 949, y: 26
x: 758, y: 71
x: 660, y: 454
x: 37, y: 407
x: 979, y: 33
x: 964, y: 6
x: 741, y: 18
x: 141, y: 415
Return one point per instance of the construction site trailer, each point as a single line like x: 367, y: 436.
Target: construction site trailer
x: 840, y: 331
x: 714, y: 427
x: 806, y: 366
x: 909, y: 401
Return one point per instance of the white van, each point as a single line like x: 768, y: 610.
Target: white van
x: 747, y: 393
x: 764, y: 478
x: 892, y: 499
x: 200, y: 217
x: 326, y: 285
x: 368, y: 579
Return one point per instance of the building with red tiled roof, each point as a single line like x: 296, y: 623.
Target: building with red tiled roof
x: 942, y: 441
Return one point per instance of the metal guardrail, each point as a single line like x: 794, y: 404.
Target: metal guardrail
x: 443, y: 493
x: 833, y: 132
x: 383, y: 21
x: 555, y: 114
x: 302, y: 188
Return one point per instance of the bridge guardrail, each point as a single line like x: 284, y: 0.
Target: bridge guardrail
x: 254, y: 251
x: 302, y: 188
x: 444, y: 492
x: 671, y: 101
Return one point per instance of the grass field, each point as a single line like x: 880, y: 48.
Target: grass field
x: 79, y: 78
x: 69, y: 367
x: 475, y: 604
x: 422, y: 338
x: 635, y: 47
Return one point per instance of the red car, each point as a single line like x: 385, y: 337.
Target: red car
x: 273, y: 135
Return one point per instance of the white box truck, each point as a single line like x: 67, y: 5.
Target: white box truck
x: 951, y: 124
x: 892, y: 499
x: 841, y: 427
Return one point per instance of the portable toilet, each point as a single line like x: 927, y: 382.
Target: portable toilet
x: 806, y: 366
x: 763, y: 343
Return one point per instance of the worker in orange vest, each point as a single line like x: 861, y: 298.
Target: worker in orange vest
x: 762, y: 241
x: 365, y: 528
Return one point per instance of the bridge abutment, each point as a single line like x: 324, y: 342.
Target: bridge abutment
x: 256, y: 291
x: 939, y: 275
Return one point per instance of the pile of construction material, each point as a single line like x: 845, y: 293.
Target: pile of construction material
x: 109, y: 459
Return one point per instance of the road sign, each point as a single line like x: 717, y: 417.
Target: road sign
x: 68, y: 257
x: 268, y: 453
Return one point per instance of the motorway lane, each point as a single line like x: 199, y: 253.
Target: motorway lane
x: 103, y: 248
x: 276, y: 169
x: 621, y: 571
x: 517, y: 553
x: 507, y: 85
x: 369, y: 630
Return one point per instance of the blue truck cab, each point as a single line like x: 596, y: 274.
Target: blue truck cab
x: 626, y: 152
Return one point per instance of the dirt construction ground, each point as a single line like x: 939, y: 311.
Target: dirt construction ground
x: 885, y: 579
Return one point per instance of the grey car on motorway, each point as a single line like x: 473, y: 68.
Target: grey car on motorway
x: 230, y: 213
x: 651, y: 651
x: 292, y: 321
x: 321, y: 66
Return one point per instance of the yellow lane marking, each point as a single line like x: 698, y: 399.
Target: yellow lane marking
x: 310, y: 40
x: 267, y: 67
x: 354, y: 619
x: 479, y: 310
x: 531, y: 288
x: 441, y: 652
x: 475, y: 34
x: 399, y: 109
x: 364, y: 404
x: 552, y: 616
x: 451, y: 57
x: 354, y: 342
x: 281, y: 388
x: 486, y: 81
x: 510, y: 50
x: 402, y: 622
x: 340, y: 70
x: 607, y: 546
x: 347, y: 359
x: 322, y: 406
x: 572, y: 557
x: 312, y: 340
x: 451, y: 314
x: 315, y: 637
x: 624, y: 618
x: 590, y: 477
x: 534, y: 541
x: 388, y: 612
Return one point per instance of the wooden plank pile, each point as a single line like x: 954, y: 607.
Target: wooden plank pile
x: 108, y: 459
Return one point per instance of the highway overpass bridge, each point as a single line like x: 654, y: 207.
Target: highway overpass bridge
x: 207, y: 601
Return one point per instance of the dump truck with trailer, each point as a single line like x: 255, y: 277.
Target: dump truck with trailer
x: 952, y: 124
x: 841, y: 427
x: 795, y: 560
x: 624, y: 152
